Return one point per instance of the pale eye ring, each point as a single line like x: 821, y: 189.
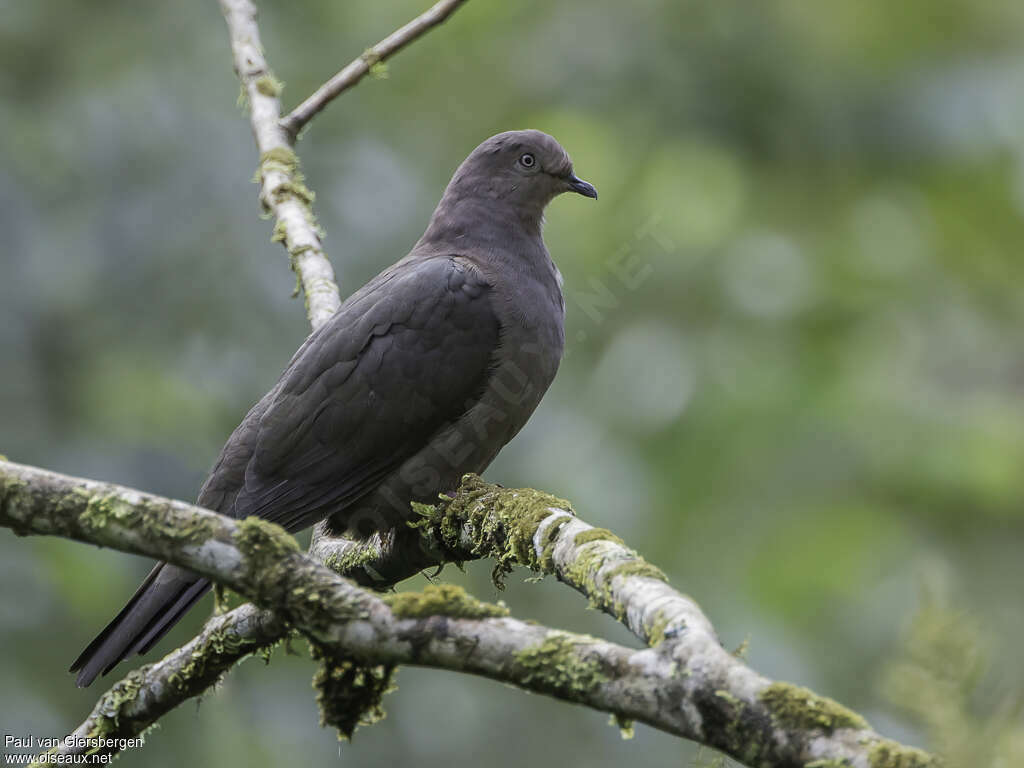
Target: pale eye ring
x: 527, y: 160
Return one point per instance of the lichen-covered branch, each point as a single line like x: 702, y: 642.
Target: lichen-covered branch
x: 371, y: 57
x: 540, y: 531
x: 685, y: 684
x: 283, y: 192
x: 135, y: 703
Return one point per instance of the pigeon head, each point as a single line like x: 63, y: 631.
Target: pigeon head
x: 518, y: 172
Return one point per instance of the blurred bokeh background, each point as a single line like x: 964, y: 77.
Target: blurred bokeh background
x: 795, y: 318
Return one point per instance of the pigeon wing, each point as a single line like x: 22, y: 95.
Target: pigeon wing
x: 399, y: 360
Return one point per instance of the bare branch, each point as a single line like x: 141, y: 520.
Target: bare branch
x: 686, y: 685
x: 359, y: 68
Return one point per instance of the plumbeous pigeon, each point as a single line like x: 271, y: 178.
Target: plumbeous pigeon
x: 421, y: 376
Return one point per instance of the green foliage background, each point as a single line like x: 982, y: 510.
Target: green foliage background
x: 795, y: 366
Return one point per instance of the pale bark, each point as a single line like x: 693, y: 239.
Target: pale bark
x: 685, y: 684
x: 283, y: 192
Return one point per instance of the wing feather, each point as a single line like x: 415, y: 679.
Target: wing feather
x: 400, y: 360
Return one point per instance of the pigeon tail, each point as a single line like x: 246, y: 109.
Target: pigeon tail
x: 157, y: 605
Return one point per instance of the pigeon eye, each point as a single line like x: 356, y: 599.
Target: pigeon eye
x: 527, y: 160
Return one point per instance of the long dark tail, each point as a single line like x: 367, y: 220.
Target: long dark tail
x: 157, y: 605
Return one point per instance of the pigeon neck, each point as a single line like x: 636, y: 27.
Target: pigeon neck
x: 460, y: 220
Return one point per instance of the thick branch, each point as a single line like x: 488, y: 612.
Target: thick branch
x: 686, y: 685
x: 541, y: 531
x: 359, y: 68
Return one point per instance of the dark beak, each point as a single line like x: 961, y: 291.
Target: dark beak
x: 584, y: 188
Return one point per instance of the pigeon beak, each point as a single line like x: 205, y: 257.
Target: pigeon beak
x: 584, y: 188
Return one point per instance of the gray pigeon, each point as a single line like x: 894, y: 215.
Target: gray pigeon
x: 421, y: 376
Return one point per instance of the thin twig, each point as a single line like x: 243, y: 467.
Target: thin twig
x: 359, y: 68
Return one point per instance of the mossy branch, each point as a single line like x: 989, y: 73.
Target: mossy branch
x: 135, y: 703
x: 283, y: 193
x: 686, y: 684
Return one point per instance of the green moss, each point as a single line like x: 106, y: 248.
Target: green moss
x: 350, y: 694
x: 284, y: 160
x: 596, y: 534
x: 844, y: 763
x: 376, y: 68
x: 265, y: 546
x: 205, y: 660
x: 283, y: 157
x: 502, y: 523
x: 259, y: 538
x: 546, y: 561
x: 103, y: 509
x: 298, y: 250
x: 424, y: 511
x: 441, y: 600
x: 656, y: 631
x: 280, y: 233
x: 111, y: 706
x: 269, y: 85
x: 742, y: 649
x: 592, y: 559
x: 294, y: 251
x: 352, y: 559
x: 294, y: 188
x: 624, y: 724
x: 799, y: 708
x: 557, y: 666
x: 637, y: 567
x: 889, y: 754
